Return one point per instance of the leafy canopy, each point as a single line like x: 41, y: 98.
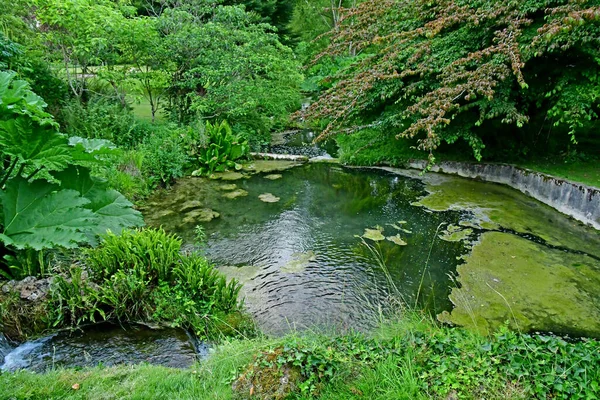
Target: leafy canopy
x: 453, y: 69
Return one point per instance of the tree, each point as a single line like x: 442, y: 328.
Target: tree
x: 229, y: 68
x: 449, y: 70
x: 80, y: 35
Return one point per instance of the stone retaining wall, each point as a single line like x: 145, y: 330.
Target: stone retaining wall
x: 580, y: 201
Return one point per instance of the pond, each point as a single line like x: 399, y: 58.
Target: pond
x: 321, y: 246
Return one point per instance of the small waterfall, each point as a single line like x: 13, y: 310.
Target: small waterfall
x: 5, y: 348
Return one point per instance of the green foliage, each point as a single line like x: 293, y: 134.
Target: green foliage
x: 38, y: 216
x: 230, y: 69
x: 372, y: 147
x: 483, y: 72
x: 142, y: 275
x: 218, y: 149
x: 41, y: 214
x: 103, y: 119
x: 164, y: 155
x: 150, y: 253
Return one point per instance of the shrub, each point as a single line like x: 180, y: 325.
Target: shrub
x: 165, y: 158
x: 102, y: 118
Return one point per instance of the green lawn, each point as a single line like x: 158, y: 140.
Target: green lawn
x: 586, y: 172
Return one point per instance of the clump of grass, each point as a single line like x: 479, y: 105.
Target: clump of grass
x: 142, y: 275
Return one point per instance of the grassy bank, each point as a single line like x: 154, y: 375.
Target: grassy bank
x: 409, y: 358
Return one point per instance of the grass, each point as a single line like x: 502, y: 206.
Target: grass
x: 406, y: 358
x: 586, y: 172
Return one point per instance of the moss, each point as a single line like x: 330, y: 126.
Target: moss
x: 202, y: 215
x: 235, y: 194
x: 495, y: 206
x: 299, y: 262
x: 266, y: 166
x: 268, y: 198
x: 508, y: 278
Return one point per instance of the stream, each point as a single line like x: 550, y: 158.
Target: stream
x: 321, y: 246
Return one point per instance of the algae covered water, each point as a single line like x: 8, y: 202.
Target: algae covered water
x: 326, y: 246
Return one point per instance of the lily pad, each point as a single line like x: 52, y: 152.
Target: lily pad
x: 235, y: 194
x: 273, y: 177
x: 397, y: 239
x: 375, y: 235
x: 268, y: 198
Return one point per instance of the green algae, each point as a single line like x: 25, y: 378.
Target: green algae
x: 454, y: 233
x: 299, y: 262
x: 235, y: 194
x: 190, y: 205
x: 227, y: 176
x: 493, y: 206
x: 509, y: 278
x: 202, y: 215
x: 273, y: 177
x: 268, y: 198
x: 267, y: 166
x: 226, y: 188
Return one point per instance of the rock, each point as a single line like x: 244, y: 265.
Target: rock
x: 273, y: 177
x: 267, y: 379
x: 202, y: 215
x: 30, y: 288
x: 190, y: 205
x: 268, y: 198
x: 235, y: 194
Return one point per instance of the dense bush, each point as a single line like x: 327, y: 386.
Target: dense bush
x: 103, y: 118
x: 483, y: 72
x: 164, y: 154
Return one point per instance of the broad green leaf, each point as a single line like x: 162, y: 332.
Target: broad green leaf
x: 113, y: 211
x: 34, y: 145
x: 16, y: 98
x: 39, y: 215
x: 91, y: 150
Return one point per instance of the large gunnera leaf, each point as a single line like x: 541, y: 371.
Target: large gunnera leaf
x: 40, y: 215
x: 113, y: 211
x: 34, y: 145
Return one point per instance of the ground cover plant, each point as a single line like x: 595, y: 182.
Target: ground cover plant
x: 409, y: 358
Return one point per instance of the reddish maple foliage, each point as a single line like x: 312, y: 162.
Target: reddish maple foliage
x: 420, y: 66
